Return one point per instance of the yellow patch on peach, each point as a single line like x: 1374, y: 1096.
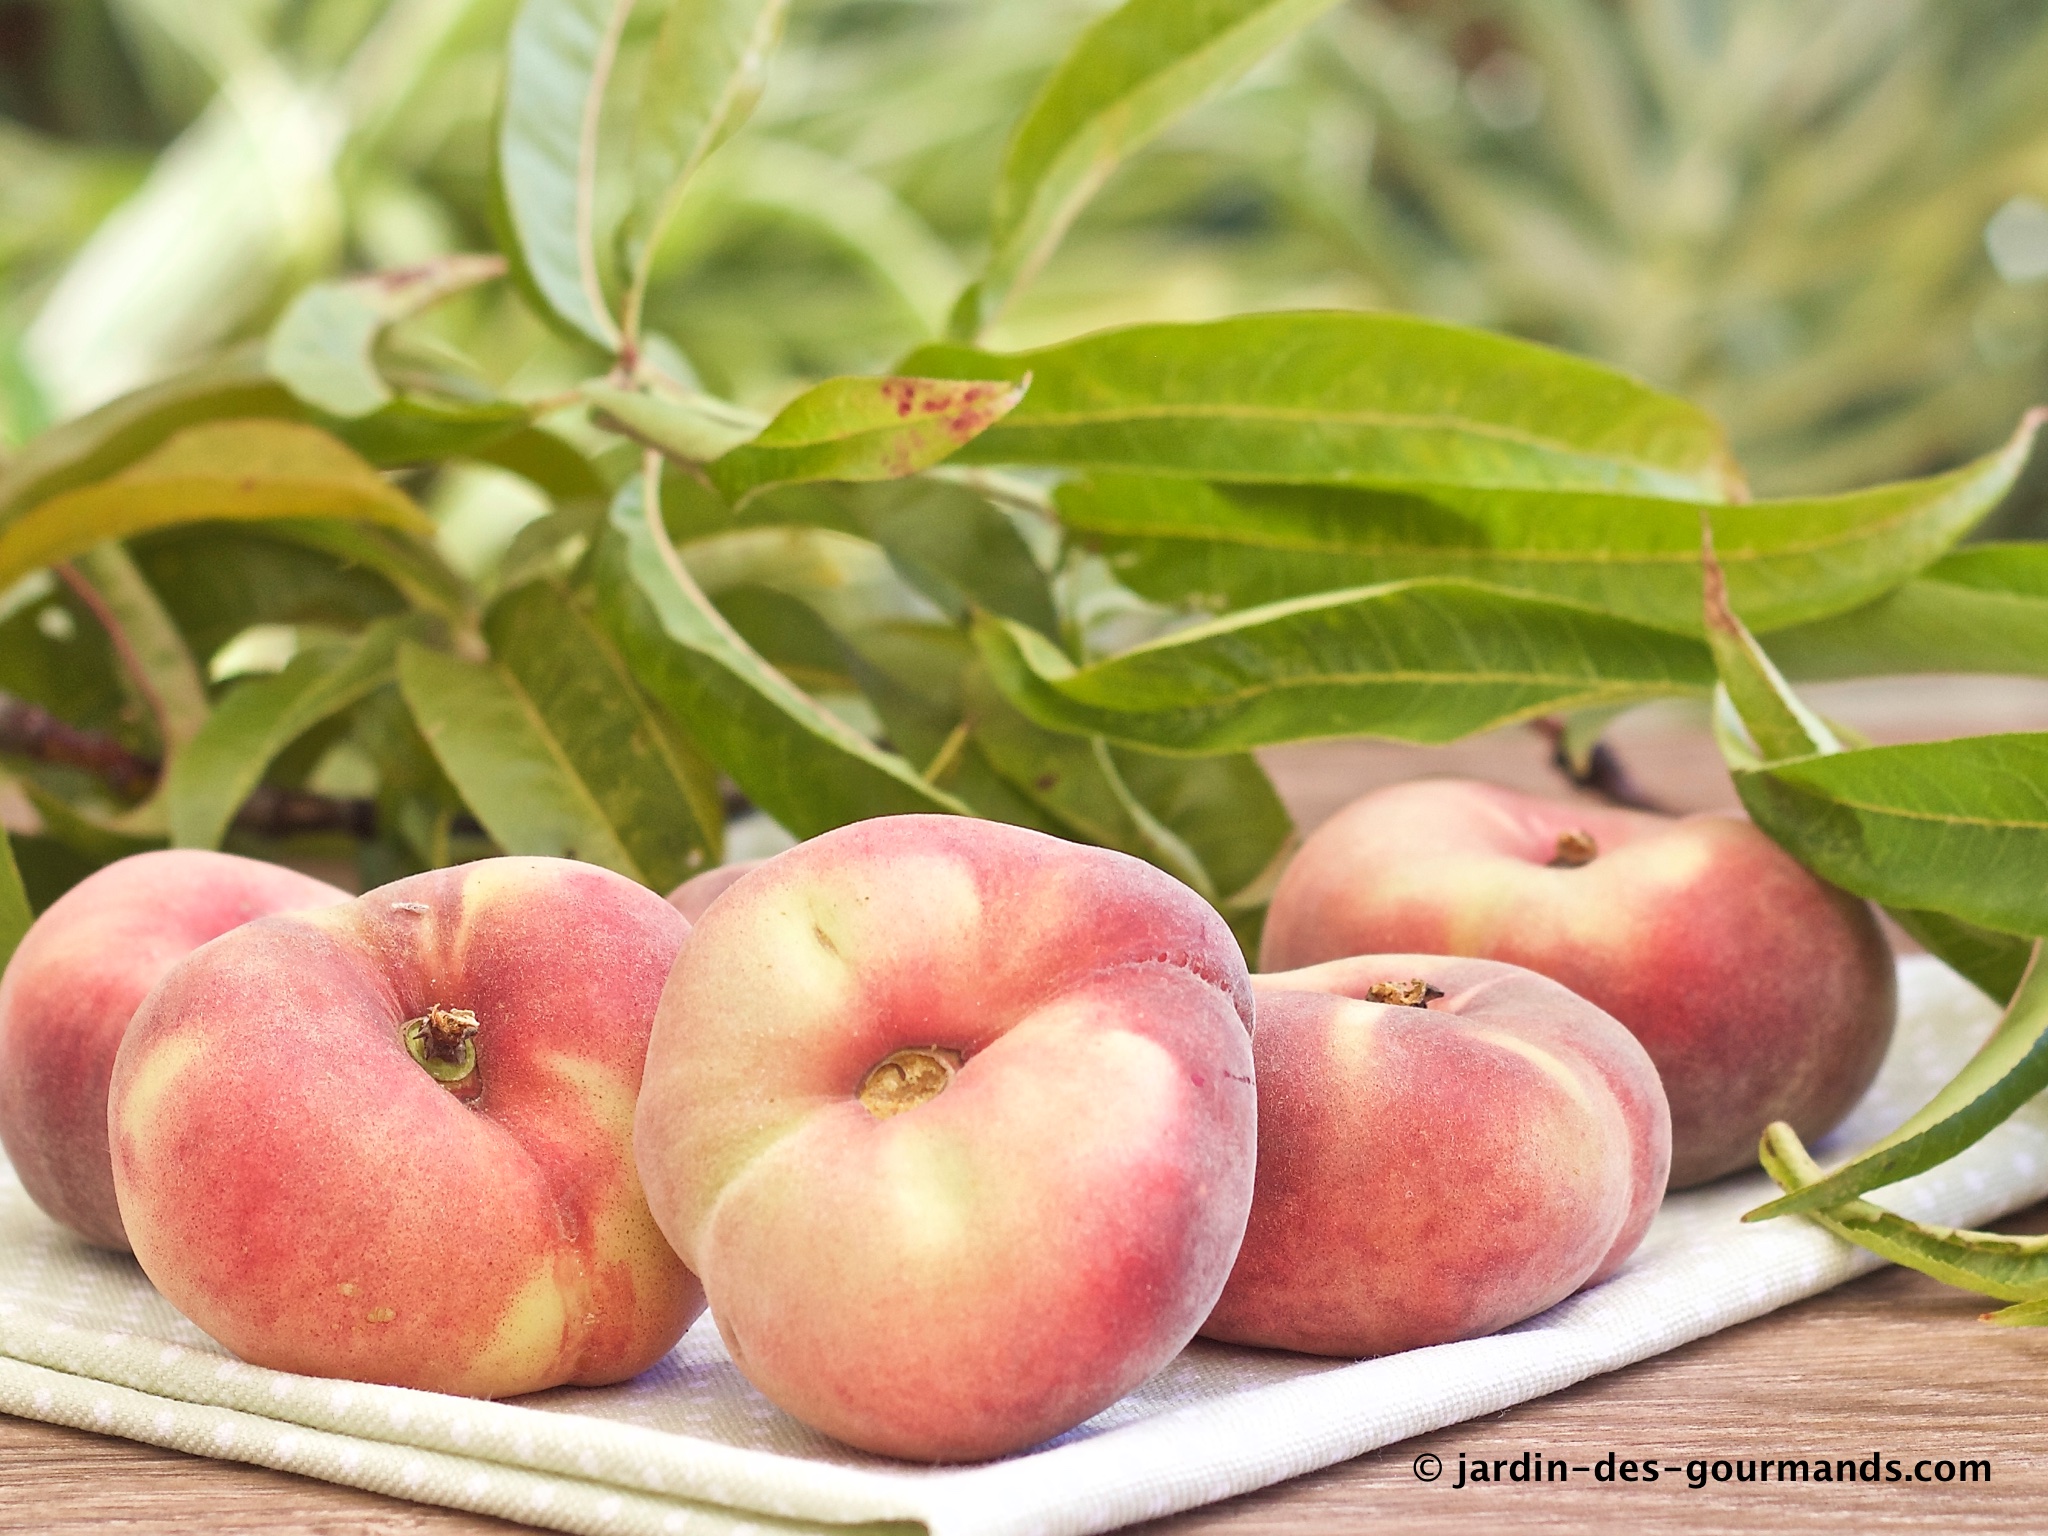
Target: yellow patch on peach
x: 1142, y: 1067
x: 485, y: 885
x: 808, y: 966
x: 930, y: 1187
x: 1674, y: 861
x: 604, y: 1098
x: 1469, y: 924
x: 528, y: 1340
x: 1560, y: 1074
x: 1353, y: 1048
x: 136, y: 1115
x: 622, y: 1230
x: 935, y: 896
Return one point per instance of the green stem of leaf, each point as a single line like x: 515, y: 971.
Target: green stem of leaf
x: 2009, y: 1070
x: 143, y: 635
x: 1990, y: 1263
x: 948, y: 754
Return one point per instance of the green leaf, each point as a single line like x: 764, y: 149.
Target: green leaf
x: 1779, y: 725
x: 54, y: 653
x: 863, y: 429
x: 2032, y: 1313
x: 849, y: 581
x: 413, y: 567
x: 417, y: 428
x: 216, y: 470
x: 913, y: 674
x: 322, y: 346
x: 1759, y: 717
x: 558, y: 65
x: 952, y: 545
x: 550, y: 463
x: 1992, y: 1263
x: 509, y: 768
x: 795, y: 760
x: 1993, y: 962
x: 217, y: 579
x: 550, y: 547
x: 88, y: 830
x: 1944, y: 834
x: 656, y: 791
x: 705, y: 73
x: 1983, y: 608
x: 15, y: 912
x: 1955, y: 827
x: 695, y: 430
x: 95, y: 445
x: 416, y: 804
x: 259, y: 718
x: 2009, y: 570
x: 789, y: 634
x: 1214, y: 823
x: 1077, y: 780
x: 1425, y: 661
x: 2008, y: 1070
x: 1128, y: 76
x: 1787, y: 562
x: 1338, y: 398
x: 1225, y: 810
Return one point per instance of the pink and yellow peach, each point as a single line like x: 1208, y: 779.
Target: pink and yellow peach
x: 956, y: 1120
x: 391, y: 1140
x: 1760, y: 992
x: 72, y: 987
x: 1446, y: 1147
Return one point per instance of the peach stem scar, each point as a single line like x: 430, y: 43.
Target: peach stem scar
x: 905, y: 1079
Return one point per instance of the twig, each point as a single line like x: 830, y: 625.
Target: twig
x: 32, y: 732
x: 1603, y: 774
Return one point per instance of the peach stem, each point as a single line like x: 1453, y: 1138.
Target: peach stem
x: 443, y: 1040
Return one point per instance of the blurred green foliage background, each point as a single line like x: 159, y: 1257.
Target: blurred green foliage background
x: 1825, y: 221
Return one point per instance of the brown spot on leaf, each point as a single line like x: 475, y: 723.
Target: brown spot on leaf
x: 901, y: 393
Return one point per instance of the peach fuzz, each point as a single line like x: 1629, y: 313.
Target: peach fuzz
x: 1441, y: 1164
x: 956, y: 1121
x: 1761, y: 992
x: 392, y: 1140
x: 71, y: 988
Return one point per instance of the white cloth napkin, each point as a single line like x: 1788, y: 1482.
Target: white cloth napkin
x: 690, y: 1447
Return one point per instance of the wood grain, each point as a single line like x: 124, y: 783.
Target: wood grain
x: 1893, y: 1363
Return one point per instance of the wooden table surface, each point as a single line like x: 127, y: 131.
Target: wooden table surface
x: 1892, y: 1364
